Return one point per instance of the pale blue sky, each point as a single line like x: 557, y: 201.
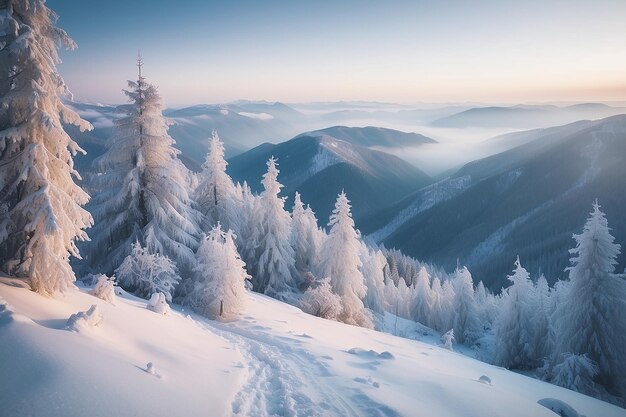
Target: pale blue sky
x: 200, y: 51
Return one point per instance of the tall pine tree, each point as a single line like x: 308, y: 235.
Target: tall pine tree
x: 41, y: 214
x: 275, y: 271
x: 590, y: 318
x: 142, y: 188
x: 306, y: 238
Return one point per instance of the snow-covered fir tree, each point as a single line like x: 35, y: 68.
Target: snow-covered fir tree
x: 306, y: 238
x: 441, y: 312
x: 220, y: 276
x: 374, y: 263
x: 514, y: 326
x: 249, y: 227
x: 541, y: 319
x: 275, y: 272
x: 41, y: 214
x: 422, y: 301
x: 465, y: 315
x: 340, y: 261
x: 576, y: 372
x: 216, y: 194
x: 590, y: 318
x: 146, y: 273
x: 405, y: 295
x: 142, y: 187
x: 487, y: 305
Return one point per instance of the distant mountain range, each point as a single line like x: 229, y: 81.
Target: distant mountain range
x: 526, y: 116
x: 370, y: 136
x: 525, y: 201
x: 319, y: 166
x: 241, y: 126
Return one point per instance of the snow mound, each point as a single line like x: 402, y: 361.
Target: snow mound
x: 367, y: 381
x: 559, y: 407
x: 485, y: 380
x: 371, y: 353
x: 84, y: 320
x: 104, y: 288
x: 158, y: 303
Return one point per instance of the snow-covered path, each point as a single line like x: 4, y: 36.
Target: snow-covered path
x: 285, y: 379
x: 273, y: 360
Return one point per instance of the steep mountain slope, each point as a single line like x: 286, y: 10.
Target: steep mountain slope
x: 319, y: 167
x: 272, y: 360
x: 373, y: 136
x: 526, y: 116
x: 526, y: 201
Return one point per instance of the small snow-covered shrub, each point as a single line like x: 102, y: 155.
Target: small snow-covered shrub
x: 84, y: 320
x: 448, y: 339
x: 576, y: 372
x: 158, y: 303
x: 320, y: 301
x: 104, y: 288
x: 146, y: 273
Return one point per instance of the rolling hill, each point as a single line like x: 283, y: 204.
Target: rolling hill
x: 526, y: 116
x: 371, y: 136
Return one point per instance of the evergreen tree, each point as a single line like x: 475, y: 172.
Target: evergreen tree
x: 465, y: 318
x: 442, y: 297
x: 514, y: 327
x: 576, y: 372
x: 216, y: 194
x: 374, y: 263
x: 423, y: 300
x: 249, y: 227
x: 305, y: 236
x: 143, y: 193
x: 275, y: 271
x: 590, y: 319
x: 340, y: 261
x: 220, y: 276
x: 41, y: 214
x: 404, y: 299
x: 541, y: 319
x: 481, y: 295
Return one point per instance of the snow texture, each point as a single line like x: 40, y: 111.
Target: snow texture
x: 274, y: 361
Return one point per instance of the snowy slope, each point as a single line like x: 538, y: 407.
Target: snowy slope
x: 273, y: 360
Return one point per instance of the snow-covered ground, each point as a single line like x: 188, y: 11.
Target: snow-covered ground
x: 273, y: 360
